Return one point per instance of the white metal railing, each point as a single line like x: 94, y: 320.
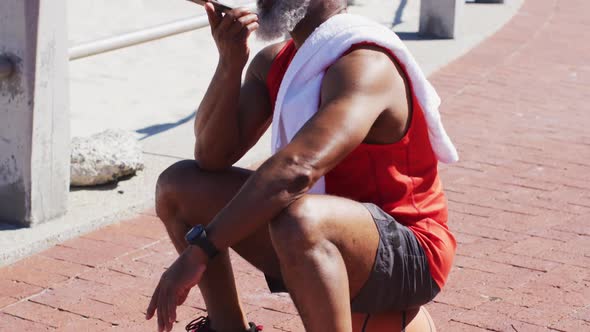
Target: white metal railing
x: 136, y: 37
x: 140, y: 36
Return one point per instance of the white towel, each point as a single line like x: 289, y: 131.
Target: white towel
x: 299, y: 93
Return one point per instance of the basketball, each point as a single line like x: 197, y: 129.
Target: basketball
x: 417, y: 320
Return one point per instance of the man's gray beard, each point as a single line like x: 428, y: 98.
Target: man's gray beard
x: 283, y: 16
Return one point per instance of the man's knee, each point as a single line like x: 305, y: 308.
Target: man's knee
x: 297, y: 228
x: 167, y: 186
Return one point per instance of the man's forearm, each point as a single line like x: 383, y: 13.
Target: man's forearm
x: 276, y: 184
x: 217, y: 129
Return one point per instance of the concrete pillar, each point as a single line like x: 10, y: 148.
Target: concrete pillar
x: 34, y: 119
x: 440, y: 18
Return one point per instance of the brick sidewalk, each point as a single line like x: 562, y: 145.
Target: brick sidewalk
x: 518, y: 109
x: 516, y: 106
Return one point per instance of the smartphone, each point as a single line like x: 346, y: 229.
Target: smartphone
x: 216, y: 3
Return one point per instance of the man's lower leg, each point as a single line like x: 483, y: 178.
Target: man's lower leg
x: 326, y: 247
x: 187, y: 195
x: 318, y: 283
x: 217, y: 285
x: 221, y: 297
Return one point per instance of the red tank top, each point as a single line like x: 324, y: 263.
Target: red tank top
x: 401, y: 178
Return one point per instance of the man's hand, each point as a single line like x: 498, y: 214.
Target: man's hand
x: 231, y: 31
x: 174, y: 286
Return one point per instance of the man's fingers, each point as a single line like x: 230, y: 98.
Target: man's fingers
x: 163, y: 307
x: 180, y: 300
x: 214, y: 17
x: 247, y: 30
x: 225, y: 23
x: 151, y: 310
x: 233, y: 17
x: 171, y: 309
x: 251, y: 27
x: 243, y: 26
x: 153, y: 304
x: 238, y: 12
x: 247, y: 19
x: 160, y: 318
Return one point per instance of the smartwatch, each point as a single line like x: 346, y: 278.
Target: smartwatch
x: 198, y: 237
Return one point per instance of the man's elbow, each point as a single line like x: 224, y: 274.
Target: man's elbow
x: 209, y: 162
x: 301, y: 182
x: 297, y: 174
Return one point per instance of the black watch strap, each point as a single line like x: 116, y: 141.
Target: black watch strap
x: 197, y: 236
x: 206, y: 245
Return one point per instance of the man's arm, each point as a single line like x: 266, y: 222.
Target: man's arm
x: 232, y: 116
x: 355, y: 91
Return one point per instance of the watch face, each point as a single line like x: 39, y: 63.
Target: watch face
x: 194, y: 233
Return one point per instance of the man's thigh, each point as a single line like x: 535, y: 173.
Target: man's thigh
x: 350, y: 226
x: 387, y: 268
x: 345, y: 223
x: 196, y: 194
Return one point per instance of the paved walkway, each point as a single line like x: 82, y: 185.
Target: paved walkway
x: 520, y: 206
x: 517, y: 106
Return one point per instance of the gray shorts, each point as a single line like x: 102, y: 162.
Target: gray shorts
x: 401, y: 277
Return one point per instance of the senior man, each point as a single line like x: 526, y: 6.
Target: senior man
x: 348, y: 215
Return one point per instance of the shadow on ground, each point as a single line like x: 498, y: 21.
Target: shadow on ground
x: 399, y: 13
x: 159, y: 128
x: 103, y: 187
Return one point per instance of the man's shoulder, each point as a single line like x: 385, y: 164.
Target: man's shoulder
x: 365, y: 54
x: 363, y: 66
x: 268, y: 53
x: 263, y: 60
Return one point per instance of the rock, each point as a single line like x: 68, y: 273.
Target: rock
x: 104, y: 157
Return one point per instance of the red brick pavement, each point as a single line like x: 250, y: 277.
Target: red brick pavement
x: 517, y: 107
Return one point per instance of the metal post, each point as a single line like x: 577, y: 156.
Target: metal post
x: 6, y: 67
x: 440, y: 18
x: 34, y: 120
